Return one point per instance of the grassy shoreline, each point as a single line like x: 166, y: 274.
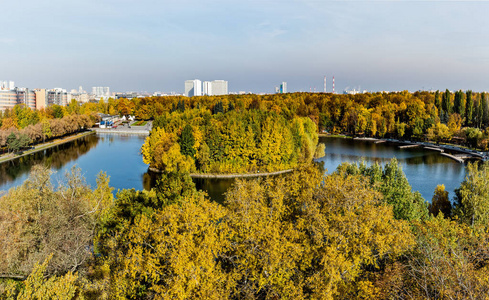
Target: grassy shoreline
x: 41, y: 147
x: 227, y: 176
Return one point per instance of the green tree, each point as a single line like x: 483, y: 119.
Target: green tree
x: 473, y: 196
x: 393, y: 184
x: 218, y: 108
x: 469, y: 109
x: 46, y: 130
x: 440, y: 202
x: 58, y: 111
x: 438, y: 102
x: 446, y: 102
x: 23, y: 141
x: 12, y: 143
x: 41, y: 221
x: 187, y: 141
x: 485, y: 110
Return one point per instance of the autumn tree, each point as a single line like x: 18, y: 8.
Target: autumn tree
x: 447, y: 262
x: 440, y: 202
x: 393, y: 184
x: 37, y: 220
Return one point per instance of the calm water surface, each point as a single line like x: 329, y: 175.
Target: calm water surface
x: 424, y: 169
x: 119, y: 156
x: 116, y: 155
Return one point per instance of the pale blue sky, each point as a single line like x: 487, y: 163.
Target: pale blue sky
x: 154, y: 45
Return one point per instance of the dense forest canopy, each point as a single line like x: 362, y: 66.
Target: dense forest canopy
x: 359, y: 233
x: 231, y: 142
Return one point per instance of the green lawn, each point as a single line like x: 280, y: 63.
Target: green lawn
x: 139, y: 123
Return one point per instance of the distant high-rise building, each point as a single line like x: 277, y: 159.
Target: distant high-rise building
x: 40, y: 98
x: 219, y: 87
x: 57, y: 96
x: 282, y: 89
x: 207, y: 88
x: 215, y: 88
x: 193, y: 88
x: 11, y: 97
x: 101, y: 92
x: 8, y: 99
x: 26, y: 97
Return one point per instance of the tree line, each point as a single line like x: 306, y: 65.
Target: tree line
x: 458, y: 117
x: 443, y: 116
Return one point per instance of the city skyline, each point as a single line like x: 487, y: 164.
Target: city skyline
x: 154, y: 46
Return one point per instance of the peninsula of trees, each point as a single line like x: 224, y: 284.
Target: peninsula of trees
x: 246, y: 141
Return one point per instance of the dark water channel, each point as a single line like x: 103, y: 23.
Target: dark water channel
x: 119, y: 157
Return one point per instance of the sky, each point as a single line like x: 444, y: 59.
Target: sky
x: 155, y: 45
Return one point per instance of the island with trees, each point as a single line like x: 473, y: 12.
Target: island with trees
x: 249, y: 141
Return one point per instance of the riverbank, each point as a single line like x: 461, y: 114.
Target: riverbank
x: 41, y: 147
x: 230, y: 176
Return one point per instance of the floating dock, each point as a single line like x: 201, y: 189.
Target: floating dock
x: 409, y: 146
x: 459, y: 159
x: 434, y: 149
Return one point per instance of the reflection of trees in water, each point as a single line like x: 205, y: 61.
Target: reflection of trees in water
x: 215, y: 188
x: 149, y: 180
x: 55, y: 157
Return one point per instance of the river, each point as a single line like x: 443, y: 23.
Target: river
x: 119, y: 156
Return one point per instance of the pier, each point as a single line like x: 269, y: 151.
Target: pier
x: 456, y: 153
x: 434, y: 149
x: 409, y: 146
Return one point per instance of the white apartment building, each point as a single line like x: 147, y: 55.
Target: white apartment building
x: 207, y: 88
x: 215, y: 88
x: 193, y: 88
x: 219, y: 87
x: 101, y: 91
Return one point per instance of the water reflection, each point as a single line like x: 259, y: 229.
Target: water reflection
x: 424, y: 169
x: 119, y: 156
x: 55, y: 158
